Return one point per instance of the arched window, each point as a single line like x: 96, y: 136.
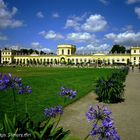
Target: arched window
x: 62, y: 51
x: 68, y: 51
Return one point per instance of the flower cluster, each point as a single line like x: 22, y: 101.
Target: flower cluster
x: 25, y: 89
x: 7, y: 81
x: 103, y: 124
x: 69, y: 93
x: 53, y: 111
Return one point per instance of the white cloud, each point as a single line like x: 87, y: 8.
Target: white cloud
x: 105, y: 2
x: 126, y: 38
x: 81, y: 37
x: 94, y: 23
x: 36, y: 45
x: 6, y: 17
x: 40, y: 14
x: 39, y: 47
x: 137, y: 11
x: 15, y: 47
x: 71, y: 23
x: 55, y: 15
x: 93, y: 48
x: 46, y: 50
x: 3, y: 37
x: 110, y: 36
x: 51, y: 35
x: 128, y: 28
x: 132, y: 1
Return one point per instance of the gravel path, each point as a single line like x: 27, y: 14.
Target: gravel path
x: 125, y: 114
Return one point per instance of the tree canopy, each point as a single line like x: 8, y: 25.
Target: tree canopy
x: 118, y: 49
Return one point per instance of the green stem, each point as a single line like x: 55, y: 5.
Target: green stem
x: 65, y: 99
x: 86, y: 137
x: 58, y: 121
x: 14, y: 97
x: 92, y: 129
x: 26, y: 108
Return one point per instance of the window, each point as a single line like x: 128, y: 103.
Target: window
x: 8, y: 58
x: 122, y: 59
x: 134, y: 51
x: 62, y: 51
x: 134, y: 58
x: 68, y: 51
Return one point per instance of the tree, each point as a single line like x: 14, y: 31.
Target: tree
x: 118, y: 49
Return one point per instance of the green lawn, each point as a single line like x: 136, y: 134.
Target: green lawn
x: 46, y: 84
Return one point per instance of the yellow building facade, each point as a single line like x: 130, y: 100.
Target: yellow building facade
x: 67, y: 53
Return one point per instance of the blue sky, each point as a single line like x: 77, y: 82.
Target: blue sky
x: 92, y: 25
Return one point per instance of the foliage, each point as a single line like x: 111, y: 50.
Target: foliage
x: 46, y: 82
x: 19, y: 128
x: 25, y: 128
x: 118, y: 49
x: 111, y: 90
x: 103, y: 127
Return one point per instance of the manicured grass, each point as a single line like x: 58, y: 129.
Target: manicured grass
x: 46, y: 84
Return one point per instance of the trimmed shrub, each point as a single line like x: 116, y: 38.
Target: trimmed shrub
x: 111, y: 90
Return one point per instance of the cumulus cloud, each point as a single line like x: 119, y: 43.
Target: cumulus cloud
x: 105, y: 2
x: 15, y: 47
x: 81, y: 37
x: 128, y: 28
x: 55, y: 15
x: 39, y: 47
x: 94, y: 23
x: 36, y: 45
x: 132, y: 1
x: 93, y: 48
x: 51, y: 35
x: 137, y: 11
x: 74, y: 22
x: 7, y: 17
x: 3, y: 37
x: 40, y: 14
x: 126, y: 38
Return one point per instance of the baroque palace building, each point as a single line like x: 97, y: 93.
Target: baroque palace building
x: 66, y: 53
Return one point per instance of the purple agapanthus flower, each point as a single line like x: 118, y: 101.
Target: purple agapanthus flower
x: 7, y: 81
x: 102, y: 123
x: 25, y: 90
x: 53, y: 111
x: 69, y: 93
